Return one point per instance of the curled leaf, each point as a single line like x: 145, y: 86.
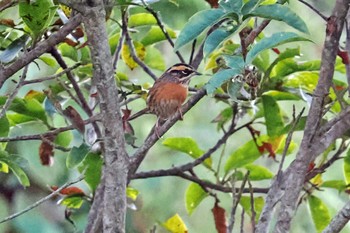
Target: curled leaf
x: 75, y: 118
x: 219, y: 218
x: 46, y: 150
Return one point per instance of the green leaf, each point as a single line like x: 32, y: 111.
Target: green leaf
x: 64, y: 139
x: 307, y: 80
x: 220, y: 78
x: 300, y: 126
x: 245, y: 202
x: 281, y: 13
x: 132, y: 193
x: 262, y: 60
x: 258, y: 172
x: 288, y: 53
x: 68, y: 51
x: 319, y: 213
x: 29, y: 107
x: 154, y: 58
x: 48, y: 60
x: 281, y: 95
x: 272, y: 41
x: 155, y: 34
x: 73, y: 202
x: 234, y: 62
x: 16, y: 163
x: 113, y: 42
x: 346, y: 167
x: 17, y: 118
x: 188, y: 146
x: 141, y: 19
x: 4, y: 126
x: 249, y: 6
x: 77, y: 155
x: 92, y: 166
x: 234, y: 89
x: 340, y: 185
x: 37, y: 15
x: 4, y: 130
x: 273, y: 116
x: 12, y: 50
x: 215, y: 39
x: 196, y: 25
x: 232, y: 6
x: 244, y: 155
x: 194, y: 196
x: 289, y: 66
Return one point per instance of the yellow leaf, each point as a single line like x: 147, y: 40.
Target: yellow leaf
x: 317, y: 180
x: 175, y: 225
x: 127, y: 58
x: 4, y: 167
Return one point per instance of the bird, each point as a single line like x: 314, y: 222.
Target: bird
x: 168, y: 93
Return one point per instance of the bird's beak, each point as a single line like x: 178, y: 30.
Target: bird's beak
x: 197, y: 73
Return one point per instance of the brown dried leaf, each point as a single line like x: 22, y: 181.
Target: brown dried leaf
x: 69, y: 191
x: 219, y: 218
x: 8, y: 22
x: 70, y: 42
x: 46, y: 151
x: 75, y: 118
x: 213, y: 3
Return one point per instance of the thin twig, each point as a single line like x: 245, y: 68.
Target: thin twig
x: 54, y: 145
x: 117, y: 51
x: 242, y: 221
x: 14, y: 92
x: 162, y: 27
x: 235, y: 200
x: 51, y: 77
x: 314, y: 9
x: 82, y: 101
x: 207, y: 184
x: 49, y: 133
x: 192, y: 51
x: 289, y: 140
x: 255, y: 32
x: 196, y: 162
x: 54, y: 193
x: 130, y: 44
x: 347, y: 48
x: 252, y: 208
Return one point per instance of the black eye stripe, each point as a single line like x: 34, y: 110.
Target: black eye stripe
x: 183, y: 72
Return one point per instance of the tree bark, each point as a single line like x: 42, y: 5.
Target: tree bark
x: 287, y: 186
x: 111, y: 194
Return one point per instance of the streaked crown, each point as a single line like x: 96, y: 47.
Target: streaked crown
x: 180, y: 72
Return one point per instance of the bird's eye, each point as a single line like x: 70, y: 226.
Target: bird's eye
x: 186, y: 72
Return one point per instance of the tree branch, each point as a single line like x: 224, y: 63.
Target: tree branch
x: 54, y: 193
x: 133, y: 54
x: 115, y: 169
x: 339, y: 221
x: 46, y: 134
x: 40, y: 49
x: 287, y: 187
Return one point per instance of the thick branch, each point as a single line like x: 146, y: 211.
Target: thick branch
x: 288, y: 185
x: 339, y: 221
x: 115, y: 168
